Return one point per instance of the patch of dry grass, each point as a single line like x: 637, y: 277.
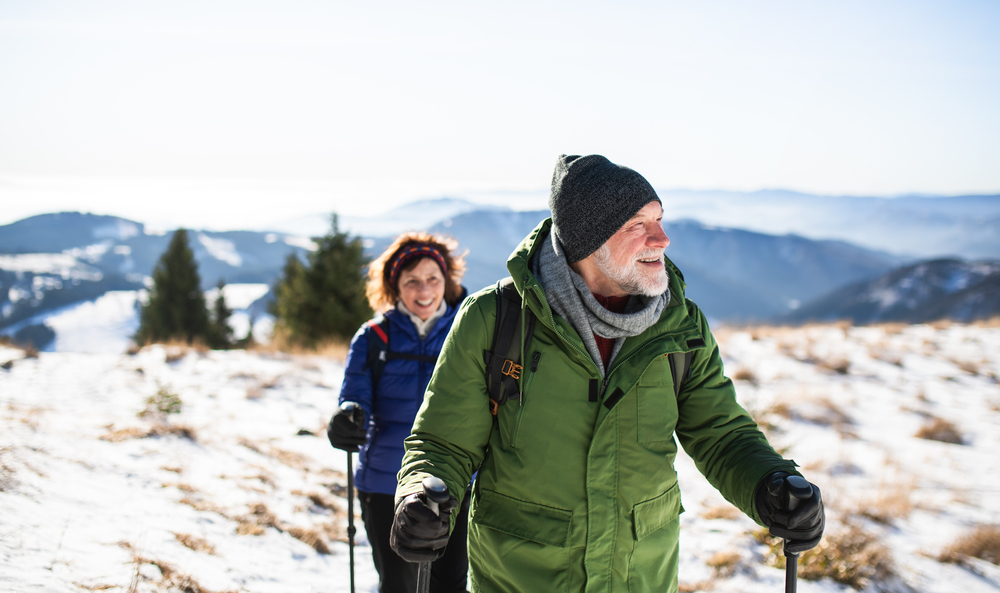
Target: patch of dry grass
x: 939, y: 429
x: 724, y: 562
x: 195, y: 543
x: 745, y: 374
x: 261, y: 517
x: 160, y: 429
x: 722, y: 511
x: 849, y: 555
x: 290, y: 458
x: 981, y: 541
x: 7, y: 469
x: 171, y: 579
x: 335, y: 349
x: 891, y: 501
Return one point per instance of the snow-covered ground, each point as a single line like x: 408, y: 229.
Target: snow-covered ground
x: 240, y: 491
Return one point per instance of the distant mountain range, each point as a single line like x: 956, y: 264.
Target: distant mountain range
x: 52, y: 260
x: 734, y: 270
x: 926, y: 291
x: 916, y: 226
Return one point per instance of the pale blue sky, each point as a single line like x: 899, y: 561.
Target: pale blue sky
x: 223, y: 114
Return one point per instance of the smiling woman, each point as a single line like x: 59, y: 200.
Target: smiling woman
x: 415, y: 286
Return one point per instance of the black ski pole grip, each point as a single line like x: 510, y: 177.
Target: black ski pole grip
x: 798, y: 489
x: 436, y: 492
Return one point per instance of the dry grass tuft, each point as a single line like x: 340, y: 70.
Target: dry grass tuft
x: 310, y: 537
x: 170, y: 579
x: 335, y: 349
x: 160, y: 429
x: 722, y: 511
x: 850, y: 556
x: 199, y: 504
x: 841, y: 366
x: 7, y: 469
x: 939, y: 429
x: 724, y: 563
x: 982, y: 541
x: 747, y: 375
x: 195, y: 543
x: 892, y: 501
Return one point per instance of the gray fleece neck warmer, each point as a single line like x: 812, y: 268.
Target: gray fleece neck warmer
x: 570, y: 298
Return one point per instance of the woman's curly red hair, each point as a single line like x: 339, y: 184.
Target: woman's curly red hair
x: 383, y: 294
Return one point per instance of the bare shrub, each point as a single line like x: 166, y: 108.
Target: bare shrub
x: 722, y: 511
x: 724, y: 563
x: 30, y: 351
x: 850, y: 556
x: 255, y: 393
x: 939, y: 429
x: 982, y: 541
x: 195, y: 543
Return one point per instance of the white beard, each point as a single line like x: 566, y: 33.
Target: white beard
x: 629, y: 277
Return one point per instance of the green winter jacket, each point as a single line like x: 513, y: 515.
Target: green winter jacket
x: 573, y: 494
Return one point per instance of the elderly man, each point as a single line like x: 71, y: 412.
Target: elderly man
x: 576, y: 488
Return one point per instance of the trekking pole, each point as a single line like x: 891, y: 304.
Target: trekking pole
x: 798, y: 489
x: 436, y: 493
x: 350, y: 514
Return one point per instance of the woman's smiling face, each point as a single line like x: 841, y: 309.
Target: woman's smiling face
x: 421, y: 288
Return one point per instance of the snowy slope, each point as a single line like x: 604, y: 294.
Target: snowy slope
x: 233, y: 493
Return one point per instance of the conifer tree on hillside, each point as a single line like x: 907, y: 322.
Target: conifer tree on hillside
x: 176, y: 306
x: 220, y: 335
x: 325, y: 298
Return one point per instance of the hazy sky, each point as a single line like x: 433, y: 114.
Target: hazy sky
x: 227, y: 114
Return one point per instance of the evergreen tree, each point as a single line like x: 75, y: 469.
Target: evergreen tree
x: 220, y: 335
x: 326, y: 298
x: 176, y: 306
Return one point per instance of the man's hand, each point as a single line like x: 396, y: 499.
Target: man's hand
x: 418, y: 535
x: 802, y: 527
x: 347, y: 430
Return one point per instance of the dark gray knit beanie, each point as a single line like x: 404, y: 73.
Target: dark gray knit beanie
x: 591, y: 199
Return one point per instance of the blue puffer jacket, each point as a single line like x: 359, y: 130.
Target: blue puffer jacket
x: 400, y: 393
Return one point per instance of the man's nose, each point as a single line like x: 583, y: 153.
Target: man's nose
x: 658, y: 237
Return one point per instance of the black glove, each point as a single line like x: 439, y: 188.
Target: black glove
x: 418, y: 535
x: 801, y: 528
x: 347, y: 429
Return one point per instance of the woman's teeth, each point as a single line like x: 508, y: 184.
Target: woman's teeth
x: 425, y: 303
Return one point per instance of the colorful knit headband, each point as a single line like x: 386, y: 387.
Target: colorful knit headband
x: 413, y: 251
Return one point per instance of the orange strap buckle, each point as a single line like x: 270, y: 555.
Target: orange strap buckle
x: 511, y: 369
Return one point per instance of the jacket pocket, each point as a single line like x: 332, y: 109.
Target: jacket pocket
x: 651, y: 515
x: 526, y: 520
x: 656, y: 404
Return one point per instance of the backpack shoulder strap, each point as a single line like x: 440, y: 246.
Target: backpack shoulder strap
x: 378, y: 348
x: 680, y: 369
x: 503, y: 359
